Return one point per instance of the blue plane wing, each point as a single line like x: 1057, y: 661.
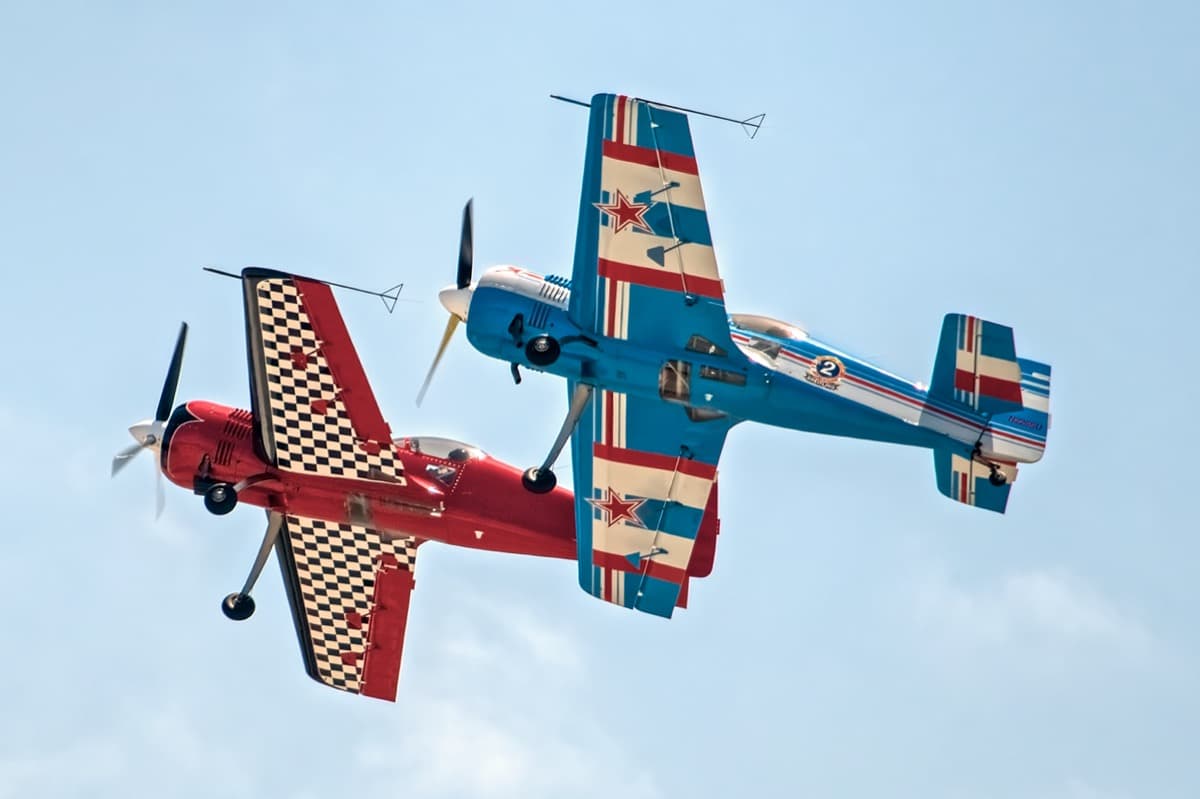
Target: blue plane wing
x: 644, y: 267
x: 643, y: 472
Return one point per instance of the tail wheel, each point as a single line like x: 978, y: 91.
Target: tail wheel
x: 542, y: 350
x: 997, y: 478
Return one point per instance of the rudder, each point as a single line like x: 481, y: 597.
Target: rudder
x: 977, y: 366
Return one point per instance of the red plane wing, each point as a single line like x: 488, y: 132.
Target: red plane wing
x: 312, y: 403
x: 349, y: 590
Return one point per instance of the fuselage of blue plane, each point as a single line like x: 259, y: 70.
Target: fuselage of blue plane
x: 776, y: 374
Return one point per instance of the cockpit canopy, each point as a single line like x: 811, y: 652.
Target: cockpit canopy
x: 445, y: 448
x: 769, y: 327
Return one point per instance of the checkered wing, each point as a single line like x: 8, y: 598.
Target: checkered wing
x: 645, y: 476
x: 316, y: 411
x: 349, y: 589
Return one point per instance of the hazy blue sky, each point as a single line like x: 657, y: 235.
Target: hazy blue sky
x: 1033, y: 163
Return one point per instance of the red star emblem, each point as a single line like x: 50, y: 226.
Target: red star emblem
x: 616, y: 509
x: 625, y: 213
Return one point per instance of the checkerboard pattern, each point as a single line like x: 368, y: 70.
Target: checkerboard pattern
x: 310, y: 428
x: 335, y: 567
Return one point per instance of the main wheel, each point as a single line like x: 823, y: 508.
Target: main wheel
x: 542, y: 350
x: 997, y: 478
x: 537, y: 481
x: 238, y: 607
x: 220, y: 499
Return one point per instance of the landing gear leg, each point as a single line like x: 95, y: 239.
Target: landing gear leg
x: 540, y: 479
x: 996, y: 475
x: 240, y: 606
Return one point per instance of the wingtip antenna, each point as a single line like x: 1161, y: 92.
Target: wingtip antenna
x: 570, y: 100
x: 752, y: 124
x: 391, y: 296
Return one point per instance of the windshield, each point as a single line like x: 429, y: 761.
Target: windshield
x: 769, y: 327
x: 445, y: 448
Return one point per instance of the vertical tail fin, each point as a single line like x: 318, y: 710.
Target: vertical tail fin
x: 978, y: 370
x: 977, y: 366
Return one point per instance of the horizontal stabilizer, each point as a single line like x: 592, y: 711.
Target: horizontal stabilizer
x: 968, y: 481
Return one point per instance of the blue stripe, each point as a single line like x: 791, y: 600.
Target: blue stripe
x: 657, y: 596
x: 997, y: 342
x: 671, y: 517
x: 691, y: 224
x: 672, y: 134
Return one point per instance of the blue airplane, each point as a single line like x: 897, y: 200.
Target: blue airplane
x: 658, y: 372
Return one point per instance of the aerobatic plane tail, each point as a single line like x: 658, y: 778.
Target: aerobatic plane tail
x: 977, y: 370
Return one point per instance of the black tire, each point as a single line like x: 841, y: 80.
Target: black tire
x: 997, y: 478
x: 220, y: 499
x: 238, y: 607
x: 538, y: 482
x: 542, y: 350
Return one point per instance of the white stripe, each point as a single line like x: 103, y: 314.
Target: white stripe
x: 1035, y: 402
x: 623, y: 290
x: 1000, y: 368
x: 630, y: 246
x: 633, y: 179
x: 646, y: 481
x: 622, y: 539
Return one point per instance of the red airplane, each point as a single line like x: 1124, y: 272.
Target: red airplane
x: 347, y: 503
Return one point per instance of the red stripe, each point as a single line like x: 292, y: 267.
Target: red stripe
x: 648, y: 156
x: 660, y: 278
x: 970, y: 333
x: 962, y: 496
x: 650, y: 568
x: 338, y: 349
x: 964, y: 380
x: 1000, y: 388
x: 608, y: 417
x: 385, y: 641
x: 619, y: 130
x: 653, y: 460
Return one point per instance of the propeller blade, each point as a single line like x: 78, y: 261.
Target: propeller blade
x: 466, y: 247
x: 160, y: 499
x: 166, y: 400
x: 122, y: 458
x: 450, y: 327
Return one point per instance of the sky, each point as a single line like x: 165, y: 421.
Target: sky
x: 1032, y: 163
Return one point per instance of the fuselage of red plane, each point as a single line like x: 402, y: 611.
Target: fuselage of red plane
x: 451, y: 492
